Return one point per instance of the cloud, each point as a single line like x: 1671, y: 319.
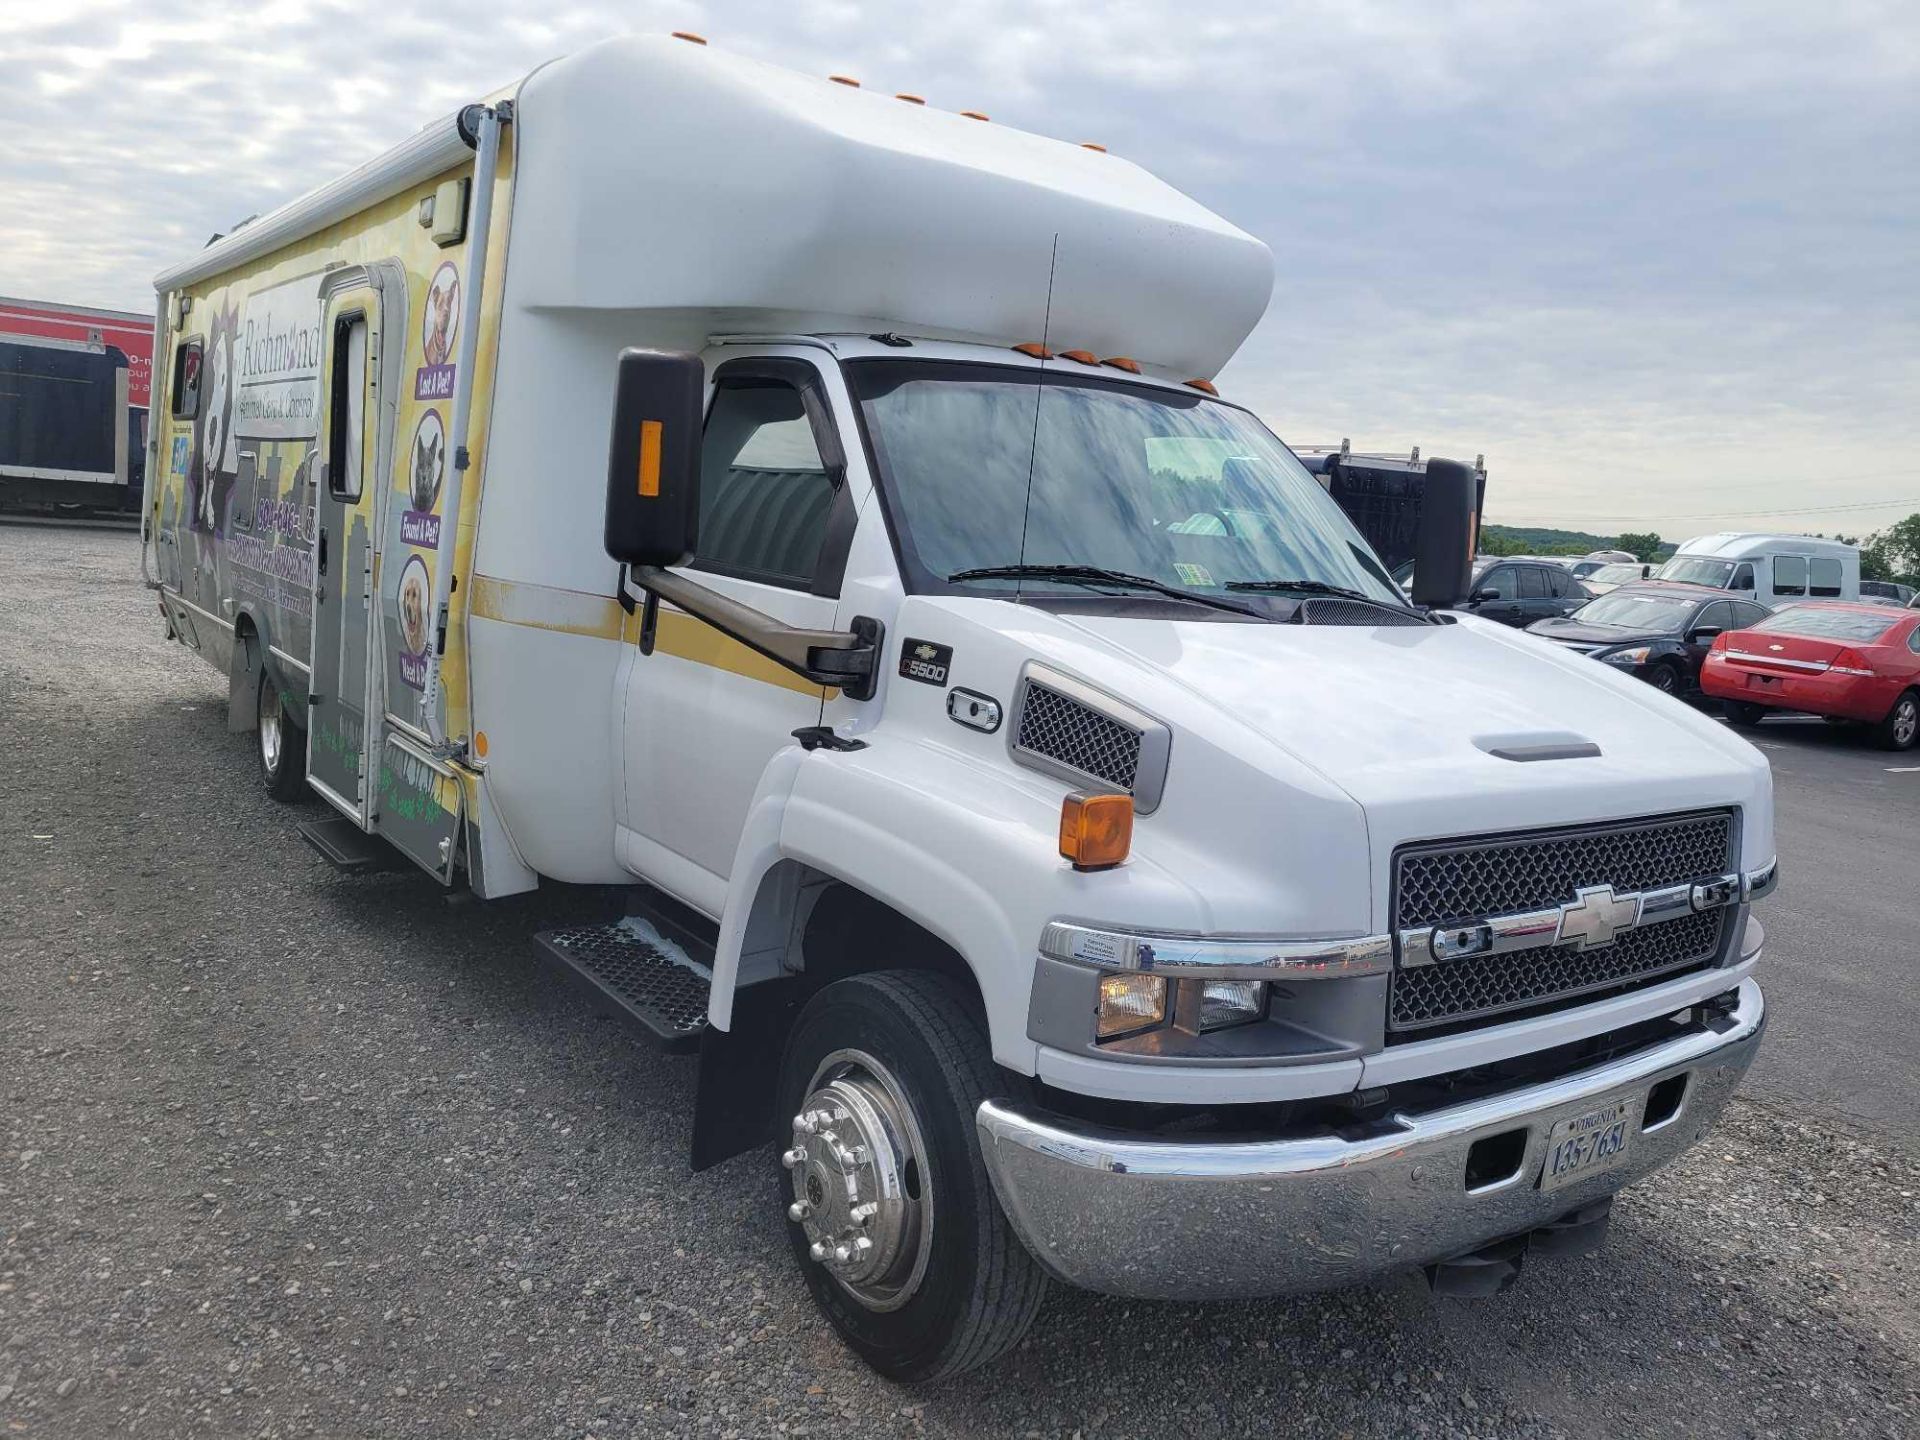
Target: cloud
x: 1653, y: 260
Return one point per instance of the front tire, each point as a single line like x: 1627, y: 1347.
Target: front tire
x: 280, y: 744
x: 1901, y: 728
x: 890, y: 1210
x: 1745, y: 713
x: 1665, y: 678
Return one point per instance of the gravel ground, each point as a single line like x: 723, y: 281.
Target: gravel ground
x: 286, y: 1153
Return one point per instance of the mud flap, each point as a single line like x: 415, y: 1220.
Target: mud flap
x: 419, y: 805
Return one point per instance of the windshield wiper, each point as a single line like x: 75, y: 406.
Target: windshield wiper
x: 1311, y: 587
x: 1301, y: 587
x: 1097, y: 575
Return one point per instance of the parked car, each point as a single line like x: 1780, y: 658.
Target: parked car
x: 1611, y: 577
x: 1519, y: 592
x: 1844, y: 660
x: 1888, y: 592
x: 1773, y: 569
x: 1655, y: 630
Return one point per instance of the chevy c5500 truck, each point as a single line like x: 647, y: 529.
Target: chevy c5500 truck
x: 1068, y: 851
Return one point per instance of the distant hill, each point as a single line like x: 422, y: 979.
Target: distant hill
x: 1538, y: 540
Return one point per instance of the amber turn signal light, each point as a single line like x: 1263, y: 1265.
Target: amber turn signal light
x: 1096, y: 831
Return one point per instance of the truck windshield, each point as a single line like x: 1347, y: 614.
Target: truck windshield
x: 988, y: 466
x: 1697, y: 572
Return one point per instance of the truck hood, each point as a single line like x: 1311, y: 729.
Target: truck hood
x: 1435, y: 730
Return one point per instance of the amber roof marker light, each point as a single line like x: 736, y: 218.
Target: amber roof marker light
x: 911, y: 99
x: 1035, y: 349
x: 1205, y: 387
x: 844, y: 80
x: 1089, y: 145
x: 974, y: 115
x: 1123, y: 362
x: 1080, y: 357
x: 690, y: 37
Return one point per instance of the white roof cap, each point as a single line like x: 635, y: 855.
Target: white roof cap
x: 657, y: 175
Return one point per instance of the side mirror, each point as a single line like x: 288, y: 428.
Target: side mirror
x: 1482, y: 595
x: 1700, y: 634
x: 653, y: 459
x: 1449, y: 526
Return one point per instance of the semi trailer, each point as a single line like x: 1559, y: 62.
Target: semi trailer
x: 1069, y: 854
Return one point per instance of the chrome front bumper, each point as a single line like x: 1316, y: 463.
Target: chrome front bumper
x: 1140, y: 1215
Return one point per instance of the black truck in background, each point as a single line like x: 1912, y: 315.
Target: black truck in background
x: 1381, y: 495
x: 68, y: 437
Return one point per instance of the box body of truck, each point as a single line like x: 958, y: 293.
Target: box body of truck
x: 1045, y: 814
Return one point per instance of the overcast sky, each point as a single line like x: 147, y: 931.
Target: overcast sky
x: 1660, y: 262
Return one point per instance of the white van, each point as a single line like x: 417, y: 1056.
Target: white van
x: 1068, y: 851
x: 1773, y: 569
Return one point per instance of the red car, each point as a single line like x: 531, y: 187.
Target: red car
x: 1844, y: 661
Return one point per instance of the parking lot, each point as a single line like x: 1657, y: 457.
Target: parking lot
x: 288, y: 1153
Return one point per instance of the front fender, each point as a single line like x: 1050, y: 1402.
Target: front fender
x: 968, y: 852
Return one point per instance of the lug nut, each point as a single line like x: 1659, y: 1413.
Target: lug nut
x: 862, y: 1213
x: 798, y: 1211
x: 794, y: 1158
x: 842, y: 1254
x: 863, y: 1247
x: 817, y: 1251
x: 805, y: 1124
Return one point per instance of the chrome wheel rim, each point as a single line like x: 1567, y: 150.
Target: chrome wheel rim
x: 272, y: 728
x: 859, y: 1181
x: 1906, y: 720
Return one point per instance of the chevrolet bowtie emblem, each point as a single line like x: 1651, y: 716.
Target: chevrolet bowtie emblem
x: 1596, y: 916
x: 925, y: 651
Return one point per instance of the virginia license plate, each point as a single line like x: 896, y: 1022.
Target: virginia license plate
x: 1586, y: 1144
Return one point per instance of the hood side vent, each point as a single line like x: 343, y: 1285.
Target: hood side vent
x: 1085, y: 736
x: 1353, y: 612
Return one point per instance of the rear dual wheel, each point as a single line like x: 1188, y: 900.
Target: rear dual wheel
x: 889, y: 1207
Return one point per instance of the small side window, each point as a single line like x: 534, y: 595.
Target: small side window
x: 1825, y: 576
x: 346, y: 423
x: 1789, y: 574
x: 186, y: 379
x: 1533, y: 583
x: 1559, y: 582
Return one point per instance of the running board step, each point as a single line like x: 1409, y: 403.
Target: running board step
x: 348, y: 848
x: 639, y: 973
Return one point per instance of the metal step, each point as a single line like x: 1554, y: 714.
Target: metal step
x: 640, y: 972
x: 346, y: 847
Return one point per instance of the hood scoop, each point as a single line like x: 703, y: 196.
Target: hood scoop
x: 1539, y: 745
x: 1352, y: 612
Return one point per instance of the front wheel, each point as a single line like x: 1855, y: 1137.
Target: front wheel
x: 889, y: 1207
x: 1902, y: 726
x: 1664, y: 678
x: 1745, y: 713
x: 282, y: 745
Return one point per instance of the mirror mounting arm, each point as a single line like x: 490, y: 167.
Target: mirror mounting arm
x: 847, y: 660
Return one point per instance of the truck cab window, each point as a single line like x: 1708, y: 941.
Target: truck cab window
x: 1789, y: 574
x: 765, y: 493
x: 186, y: 379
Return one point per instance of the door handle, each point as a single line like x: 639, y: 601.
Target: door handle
x: 321, y: 557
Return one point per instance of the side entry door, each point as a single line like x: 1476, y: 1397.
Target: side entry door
x: 345, y: 523
x: 702, y: 714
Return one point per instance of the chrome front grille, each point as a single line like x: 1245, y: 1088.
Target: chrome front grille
x: 1465, y: 881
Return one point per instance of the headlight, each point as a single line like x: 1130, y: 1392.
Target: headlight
x: 1230, y: 1002
x: 1130, y: 1002
x: 1636, y: 656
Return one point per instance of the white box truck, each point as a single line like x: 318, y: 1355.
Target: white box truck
x: 1050, y: 824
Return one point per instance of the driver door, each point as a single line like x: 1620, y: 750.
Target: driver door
x: 702, y: 714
